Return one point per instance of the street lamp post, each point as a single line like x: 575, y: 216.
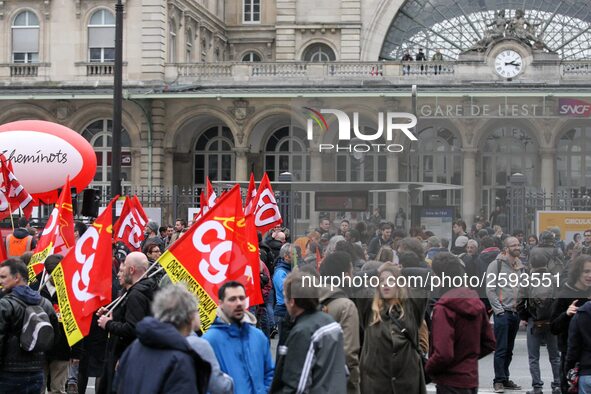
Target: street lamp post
x: 117, y: 102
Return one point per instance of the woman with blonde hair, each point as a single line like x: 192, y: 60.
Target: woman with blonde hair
x: 390, y: 357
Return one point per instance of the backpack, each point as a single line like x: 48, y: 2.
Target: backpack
x: 540, y: 300
x: 36, y: 331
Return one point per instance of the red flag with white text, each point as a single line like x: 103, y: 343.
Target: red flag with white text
x: 83, y: 278
x: 251, y: 195
x: 218, y: 248
x: 58, y: 235
x: 129, y: 228
x: 210, y: 194
x: 12, y: 195
x: 266, y: 210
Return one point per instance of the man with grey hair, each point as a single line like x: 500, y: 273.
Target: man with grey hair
x: 433, y: 247
x: 503, y: 298
x: 152, y: 235
x: 121, y: 322
x: 161, y: 359
x: 283, y: 266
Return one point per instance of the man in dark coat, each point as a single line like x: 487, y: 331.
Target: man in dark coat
x: 461, y: 333
x: 121, y: 322
x: 161, y: 360
x: 20, y: 371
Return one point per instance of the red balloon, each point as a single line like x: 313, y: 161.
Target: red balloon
x: 43, y: 154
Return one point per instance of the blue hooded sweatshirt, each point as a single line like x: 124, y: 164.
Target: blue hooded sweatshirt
x: 243, y: 352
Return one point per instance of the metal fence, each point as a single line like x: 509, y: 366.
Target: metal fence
x: 523, y: 202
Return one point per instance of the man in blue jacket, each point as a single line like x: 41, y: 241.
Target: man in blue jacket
x: 241, y: 349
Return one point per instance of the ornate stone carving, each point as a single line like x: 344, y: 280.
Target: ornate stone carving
x: 62, y: 109
x: 517, y: 27
x: 241, y: 110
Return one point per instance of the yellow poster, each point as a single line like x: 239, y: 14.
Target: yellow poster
x: 569, y: 222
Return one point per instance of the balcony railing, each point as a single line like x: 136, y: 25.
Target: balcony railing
x: 575, y: 68
x: 98, y: 69
x: 330, y: 72
x: 24, y: 70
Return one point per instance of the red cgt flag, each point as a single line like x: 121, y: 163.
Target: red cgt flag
x: 3, y: 255
x: 251, y: 195
x: 266, y: 210
x: 83, y: 277
x: 219, y: 247
x: 129, y: 228
x: 12, y: 195
x: 58, y: 235
x: 210, y: 194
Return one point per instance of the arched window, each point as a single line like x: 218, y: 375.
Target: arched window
x: 437, y: 157
x: 99, y: 133
x: 25, y: 38
x: 319, y: 53
x: 251, y: 57
x: 190, y: 39
x: 101, y: 37
x: 287, y: 150
x: 506, y: 151
x: 573, y: 160
x: 454, y: 27
x: 172, y: 42
x: 364, y: 167
x: 214, y: 155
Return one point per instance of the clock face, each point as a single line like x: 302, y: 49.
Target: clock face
x: 508, y: 63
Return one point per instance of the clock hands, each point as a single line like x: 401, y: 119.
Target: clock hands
x: 512, y: 63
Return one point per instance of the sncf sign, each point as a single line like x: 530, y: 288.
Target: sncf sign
x: 574, y: 108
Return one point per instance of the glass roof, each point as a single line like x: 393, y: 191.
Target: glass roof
x: 456, y: 25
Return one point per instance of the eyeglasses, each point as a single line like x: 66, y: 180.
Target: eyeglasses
x: 587, y: 235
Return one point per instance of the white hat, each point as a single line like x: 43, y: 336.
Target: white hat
x: 461, y: 241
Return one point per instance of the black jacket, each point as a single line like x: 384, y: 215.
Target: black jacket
x: 161, y: 361
x: 121, y: 329
x: 375, y: 244
x: 560, y: 320
x: 133, y: 308
x: 579, y: 340
x: 12, y: 357
x: 61, y: 350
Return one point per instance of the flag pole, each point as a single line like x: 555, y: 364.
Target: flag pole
x: 119, y: 299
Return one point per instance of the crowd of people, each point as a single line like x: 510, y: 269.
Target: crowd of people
x: 388, y: 338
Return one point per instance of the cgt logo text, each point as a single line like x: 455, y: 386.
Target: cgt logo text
x: 395, y: 121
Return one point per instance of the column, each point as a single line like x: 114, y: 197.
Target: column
x: 168, y: 181
x: 547, y: 170
x: 469, y: 181
x: 241, y: 173
x: 315, y: 176
x: 392, y: 198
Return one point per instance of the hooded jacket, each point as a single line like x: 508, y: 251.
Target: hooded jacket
x: 461, y: 335
x: 503, y: 298
x: 12, y: 357
x: 161, y: 361
x: 343, y: 311
x: 579, y: 341
x: 243, y: 352
x: 282, y: 269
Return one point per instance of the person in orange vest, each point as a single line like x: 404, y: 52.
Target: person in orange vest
x: 20, y: 241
